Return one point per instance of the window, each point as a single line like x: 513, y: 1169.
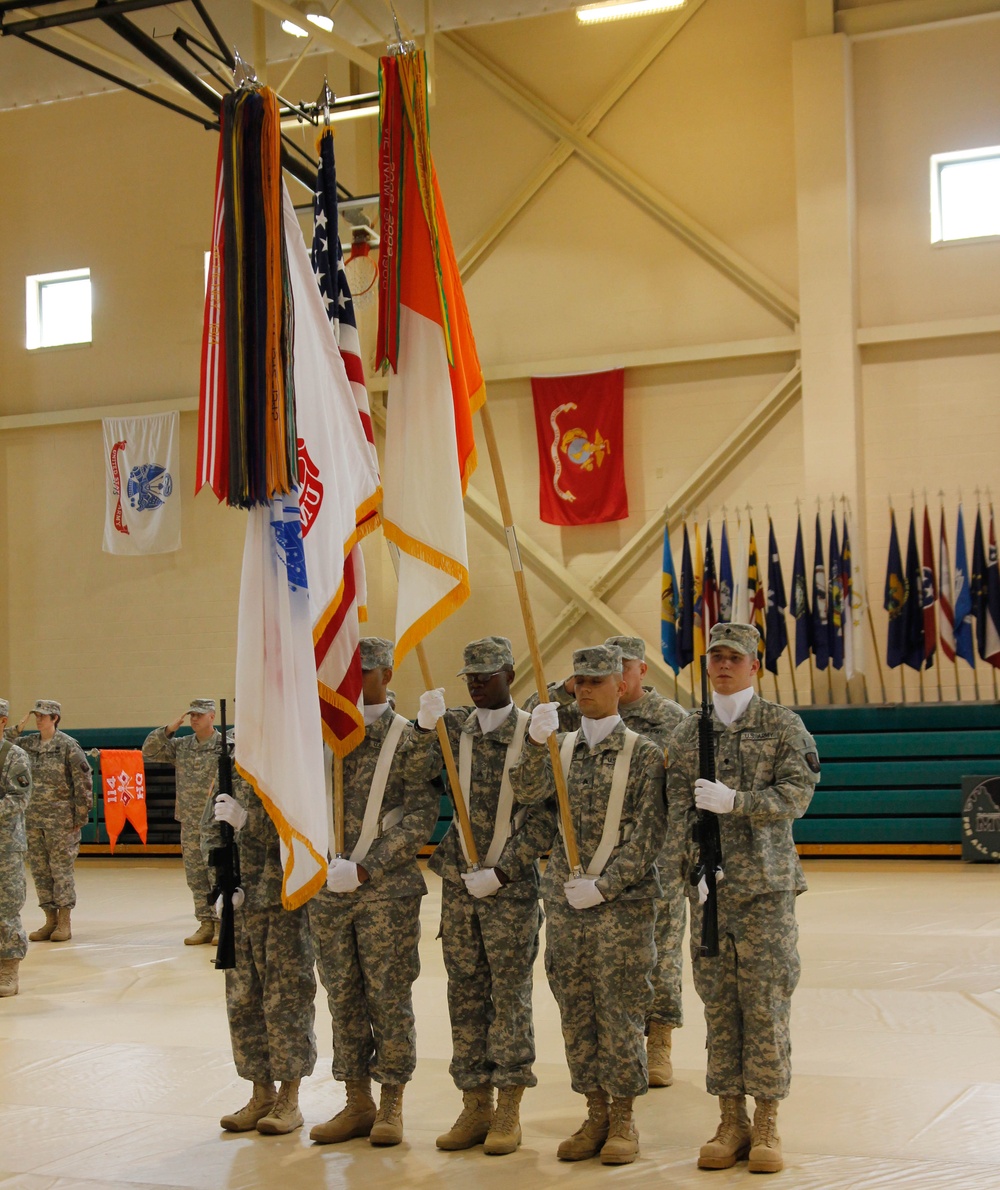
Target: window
x: 58, y: 308
x: 965, y: 195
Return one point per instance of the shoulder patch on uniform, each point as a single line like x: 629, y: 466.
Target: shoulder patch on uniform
x: 812, y: 760
x: 23, y: 780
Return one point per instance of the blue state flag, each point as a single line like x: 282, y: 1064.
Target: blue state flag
x: 836, y: 599
x: 776, y: 636
x: 964, y: 618
x: 977, y: 584
x: 800, y: 602
x: 913, y: 607
x: 685, y: 606
x: 725, y: 578
x: 894, y: 598
x: 820, y: 608
x: 668, y: 605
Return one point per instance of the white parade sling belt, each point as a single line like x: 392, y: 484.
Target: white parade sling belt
x: 616, y: 799
x: 503, y: 827
x: 373, y: 820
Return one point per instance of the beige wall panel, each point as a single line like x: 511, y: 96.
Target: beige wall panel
x: 917, y: 94
x: 125, y: 641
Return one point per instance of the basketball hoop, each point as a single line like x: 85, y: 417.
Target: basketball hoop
x: 361, y: 266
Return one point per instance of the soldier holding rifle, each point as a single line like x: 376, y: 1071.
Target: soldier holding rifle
x: 766, y: 770
x: 599, y: 948
x: 489, y: 912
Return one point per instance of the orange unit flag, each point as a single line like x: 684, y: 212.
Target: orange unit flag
x: 123, y: 779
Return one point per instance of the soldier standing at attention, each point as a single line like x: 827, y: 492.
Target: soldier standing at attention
x: 196, y: 763
x: 366, y: 923
x: 652, y: 715
x: 271, y: 992
x: 767, y: 768
x: 599, y: 948
x: 15, y: 790
x: 62, y: 788
x: 489, y: 917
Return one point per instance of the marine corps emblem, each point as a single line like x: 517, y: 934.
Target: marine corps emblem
x: 981, y: 819
x: 577, y: 446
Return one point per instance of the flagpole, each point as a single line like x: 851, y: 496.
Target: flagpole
x: 812, y: 681
x: 562, y: 793
x: 457, y: 795
x: 677, y: 693
x: 829, y: 680
x: 338, y: 804
x: 878, y: 658
x: 791, y: 670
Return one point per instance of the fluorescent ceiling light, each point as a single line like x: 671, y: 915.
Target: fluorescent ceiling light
x: 322, y: 22
x: 295, y: 30
x: 616, y: 10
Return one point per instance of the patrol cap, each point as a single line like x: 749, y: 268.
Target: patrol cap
x: 4, y: 708
x: 487, y: 656
x: 743, y: 638
x: 376, y: 653
x: 633, y: 647
x: 599, y: 661
x: 202, y: 706
x: 47, y: 706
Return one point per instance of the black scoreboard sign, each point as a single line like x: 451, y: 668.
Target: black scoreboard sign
x: 981, y: 819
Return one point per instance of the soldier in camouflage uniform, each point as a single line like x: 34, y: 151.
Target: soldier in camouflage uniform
x: 196, y: 763
x: 767, y: 768
x: 62, y: 789
x: 599, y: 947
x: 652, y: 715
x: 15, y: 790
x: 490, y: 917
x: 366, y: 923
x: 271, y: 992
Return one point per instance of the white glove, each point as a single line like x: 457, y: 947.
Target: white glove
x: 544, y: 721
x: 238, y: 898
x: 228, y: 809
x: 342, y: 876
x: 714, y: 796
x: 583, y: 893
x: 483, y: 883
x: 431, y: 708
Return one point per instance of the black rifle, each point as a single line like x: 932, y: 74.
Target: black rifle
x: 226, y: 860
x: 706, y: 831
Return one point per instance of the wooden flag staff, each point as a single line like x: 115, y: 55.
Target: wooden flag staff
x: 338, y: 804
x: 562, y: 794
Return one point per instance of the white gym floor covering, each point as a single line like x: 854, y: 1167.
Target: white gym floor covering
x: 115, y: 1063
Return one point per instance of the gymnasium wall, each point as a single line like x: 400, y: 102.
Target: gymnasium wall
x: 581, y: 277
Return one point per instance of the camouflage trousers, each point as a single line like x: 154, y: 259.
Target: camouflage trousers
x: 366, y: 951
x: 271, y: 995
x: 490, y: 946
x: 747, y: 992
x: 52, y: 852
x: 13, y: 889
x: 671, y: 917
x: 598, y: 962
x: 196, y: 871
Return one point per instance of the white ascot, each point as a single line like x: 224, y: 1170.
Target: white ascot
x: 374, y: 711
x: 490, y: 720
x: 597, y: 730
x: 729, y: 707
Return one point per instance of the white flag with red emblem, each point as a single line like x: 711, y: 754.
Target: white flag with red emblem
x: 142, y: 490
x: 339, y: 493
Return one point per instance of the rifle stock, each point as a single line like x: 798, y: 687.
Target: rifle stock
x: 226, y: 860
x: 707, y: 829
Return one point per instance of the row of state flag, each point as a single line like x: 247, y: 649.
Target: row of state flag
x: 828, y: 613
x: 930, y: 604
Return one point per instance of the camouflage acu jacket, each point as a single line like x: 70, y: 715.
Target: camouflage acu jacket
x: 630, y: 873
x: 391, y: 862
x: 196, y: 765
x: 528, y: 840
x: 15, y: 791
x: 770, y: 759
x: 62, y: 783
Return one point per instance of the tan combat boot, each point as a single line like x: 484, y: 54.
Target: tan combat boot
x: 388, y: 1126
x: 285, y: 1115
x: 202, y: 936
x: 245, y: 1120
x: 622, y: 1145
x: 8, y: 976
x: 505, y: 1131
x: 43, y: 933
x: 473, y: 1124
x: 731, y: 1141
x: 661, y: 1069
x: 356, y: 1119
x: 765, y: 1153
x: 62, y: 932
x: 588, y: 1139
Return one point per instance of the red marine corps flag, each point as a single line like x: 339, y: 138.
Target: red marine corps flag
x: 578, y: 420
